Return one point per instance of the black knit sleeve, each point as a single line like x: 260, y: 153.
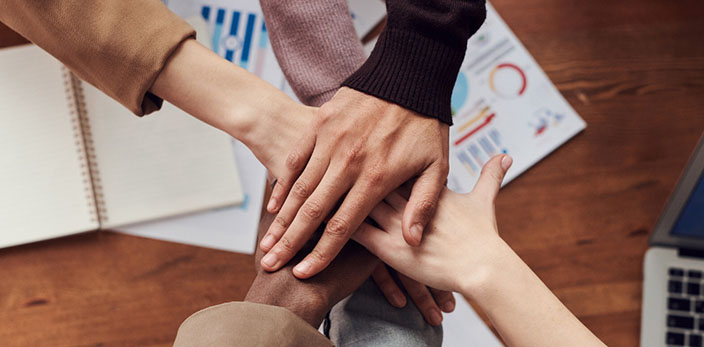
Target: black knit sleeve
x: 418, y: 55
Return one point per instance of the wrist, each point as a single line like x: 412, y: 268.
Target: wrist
x: 252, y: 122
x: 400, y: 56
x: 216, y: 91
x: 479, y: 281
x: 283, y: 290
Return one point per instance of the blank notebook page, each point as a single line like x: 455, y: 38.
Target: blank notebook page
x: 44, y: 188
x: 163, y: 164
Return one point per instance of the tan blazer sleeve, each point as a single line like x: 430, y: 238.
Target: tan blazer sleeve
x: 119, y: 46
x: 247, y: 324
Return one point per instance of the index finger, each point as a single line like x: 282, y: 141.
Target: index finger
x: 354, y: 209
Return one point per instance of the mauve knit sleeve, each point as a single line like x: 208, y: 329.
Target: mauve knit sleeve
x: 418, y: 55
x: 315, y: 43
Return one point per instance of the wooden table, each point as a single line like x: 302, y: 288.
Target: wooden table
x: 633, y: 69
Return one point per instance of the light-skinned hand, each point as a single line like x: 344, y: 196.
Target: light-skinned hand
x: 357, y: 149
x: 458, y: 242
x: 462, y: 251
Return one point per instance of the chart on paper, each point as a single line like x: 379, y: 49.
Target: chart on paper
x: 239, y: 34
x: 503, y: 102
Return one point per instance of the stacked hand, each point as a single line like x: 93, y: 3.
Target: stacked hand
x: 356, y: 149
x: 271, y: 124
x: 359, y: 149
x: 273, y: 150
x: 356, y: 145
x: 460, y: 245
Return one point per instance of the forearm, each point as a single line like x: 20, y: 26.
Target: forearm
x: 315, y: 43
x: 523, y: 310
x: 276, y: 289
x: 418, y: 55
x: 220, y: 93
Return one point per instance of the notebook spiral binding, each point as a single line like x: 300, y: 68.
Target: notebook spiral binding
x: 84, y: 140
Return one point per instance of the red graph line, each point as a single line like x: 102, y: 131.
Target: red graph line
x: 474, y: 131
x: 520, y: 72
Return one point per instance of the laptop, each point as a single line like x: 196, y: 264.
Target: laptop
x: 673, y: 288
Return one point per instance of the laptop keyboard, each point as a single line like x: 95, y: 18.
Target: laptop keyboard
x: 685, y: 308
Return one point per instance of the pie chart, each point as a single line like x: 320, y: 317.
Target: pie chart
x: 460, y: 93
x: 507, y: 80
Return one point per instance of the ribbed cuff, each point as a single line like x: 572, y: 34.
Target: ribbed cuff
x: 412, y: 71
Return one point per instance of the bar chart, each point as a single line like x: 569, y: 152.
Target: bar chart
x: 233, y: 33
x: 239, y: 34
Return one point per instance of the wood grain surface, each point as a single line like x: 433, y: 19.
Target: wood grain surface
x: 581, y: 218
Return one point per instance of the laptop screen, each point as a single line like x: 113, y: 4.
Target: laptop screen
x: 691, y: 219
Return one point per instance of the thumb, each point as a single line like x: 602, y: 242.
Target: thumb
x: 492, y: 175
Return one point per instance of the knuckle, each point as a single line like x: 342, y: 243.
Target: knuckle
x: 327, y: 111
x: 337, y: 228
x: 390, y: 288
x: 491, y: 173
x: 426, y: 207
x: 280, y: 184
x: 285, y: 245
x: 293, y: 161
x: 376, y: 176
x: 301, y: 189
x: 312, y: 210
x: 318, y: 256
x: 417, y: 292
x: 494, y: 175
x: 354, y: 154
x: 281, y: 221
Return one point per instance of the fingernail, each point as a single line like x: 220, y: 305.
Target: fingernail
x: 269, y: 260
x: 506, y: 162
x: 267, y: 243
x: 271, y: 205
x: 399, y: 300
x: 448, y: 306
x: 435, y: 317
x: 417, y: 232
x: 303, y: 268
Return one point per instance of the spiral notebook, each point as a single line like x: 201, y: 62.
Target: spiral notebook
x: 74, y: 160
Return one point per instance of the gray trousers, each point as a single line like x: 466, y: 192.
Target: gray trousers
x: 365, y: 318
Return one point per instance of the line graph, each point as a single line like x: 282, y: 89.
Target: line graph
x: 486, y: 122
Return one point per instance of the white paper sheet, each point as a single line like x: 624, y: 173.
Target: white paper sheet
x: 504, y: 103
x: 463, y: 328
x: 236, y: 31
x: 231, y: 229
x: 366, y: 14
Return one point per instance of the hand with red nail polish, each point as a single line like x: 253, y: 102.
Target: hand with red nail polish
x: 357, y: 149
